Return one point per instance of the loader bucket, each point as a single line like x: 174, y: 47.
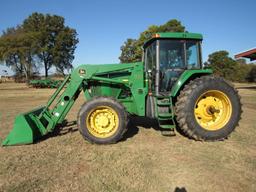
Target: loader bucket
x: 25, y: 130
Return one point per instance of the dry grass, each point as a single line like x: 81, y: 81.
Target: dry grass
x: 143, y: 161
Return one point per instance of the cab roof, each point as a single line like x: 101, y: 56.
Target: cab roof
x: 174, y: 35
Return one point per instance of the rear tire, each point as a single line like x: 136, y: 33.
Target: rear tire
x: 208, y: 108
x: 102, y: 120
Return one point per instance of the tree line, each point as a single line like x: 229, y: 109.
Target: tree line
x: 41, y: 41
x: 234, y: 70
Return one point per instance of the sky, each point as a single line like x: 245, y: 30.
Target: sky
x: 103, y: 26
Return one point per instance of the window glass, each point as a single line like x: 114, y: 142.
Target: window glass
x: 192, y: 55
x: 151, y: 56
x: 150, y: 61
x: 172, y: 54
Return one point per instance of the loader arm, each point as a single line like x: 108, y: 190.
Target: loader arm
x: 31, y: 126
x: 106, y: 80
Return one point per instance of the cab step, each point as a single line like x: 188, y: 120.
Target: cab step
x: 167, y: 126
x: 163, y: 104
x: 164, y: 115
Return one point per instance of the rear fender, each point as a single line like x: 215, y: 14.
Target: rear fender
x: 185, y: 77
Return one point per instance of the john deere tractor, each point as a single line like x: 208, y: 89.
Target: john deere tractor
x: 170, y: 85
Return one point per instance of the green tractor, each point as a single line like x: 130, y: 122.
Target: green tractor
x: 170, y: 85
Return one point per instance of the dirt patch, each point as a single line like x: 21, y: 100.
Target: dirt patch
x: 143, y: 161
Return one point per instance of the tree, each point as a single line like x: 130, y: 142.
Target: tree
x: 55, y: 42
x: 40, y: 40
x: 243, y: 70
x: 172, y: 26
x: 64, y: 50
x: 235, y: 70
x: 16, y: 49
x: 251, y: 76
x: 8, y: 53
x: 131, y: 49
x: 225, y: 66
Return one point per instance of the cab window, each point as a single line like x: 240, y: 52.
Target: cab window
x: 193, y: 57
x: 150, y: 57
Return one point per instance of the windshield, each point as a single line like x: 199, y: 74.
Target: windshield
x: 171, y: 54
x: 179, y: 54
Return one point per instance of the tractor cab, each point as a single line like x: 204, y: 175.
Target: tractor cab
x: 167, y: 56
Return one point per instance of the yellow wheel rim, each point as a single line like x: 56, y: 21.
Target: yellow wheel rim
x: 213, y: 110
x: 102, y: 121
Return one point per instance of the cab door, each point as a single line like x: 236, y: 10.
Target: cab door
x: 150, y: 67
x: 171, y: 63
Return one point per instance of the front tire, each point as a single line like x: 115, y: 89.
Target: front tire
x: 208, y: 108
x: 102, y: 120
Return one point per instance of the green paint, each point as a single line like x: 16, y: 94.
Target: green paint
x: 169, y: 35
x: 181, y: 35
x: 186, y: 76
x: 25, y: 130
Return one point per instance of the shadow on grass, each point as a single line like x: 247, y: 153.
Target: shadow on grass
x: 135, y: 122
x: 133, y: 128
x: 182, y: 189
x: 65, y: 127
x: 146, y: 123
x: 62, y: 129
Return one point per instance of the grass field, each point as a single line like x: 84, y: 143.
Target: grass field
x: 143, y: 161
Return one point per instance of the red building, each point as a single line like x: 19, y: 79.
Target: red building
x: 249, y: 54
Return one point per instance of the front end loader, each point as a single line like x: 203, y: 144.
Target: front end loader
x: 170, y: 85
